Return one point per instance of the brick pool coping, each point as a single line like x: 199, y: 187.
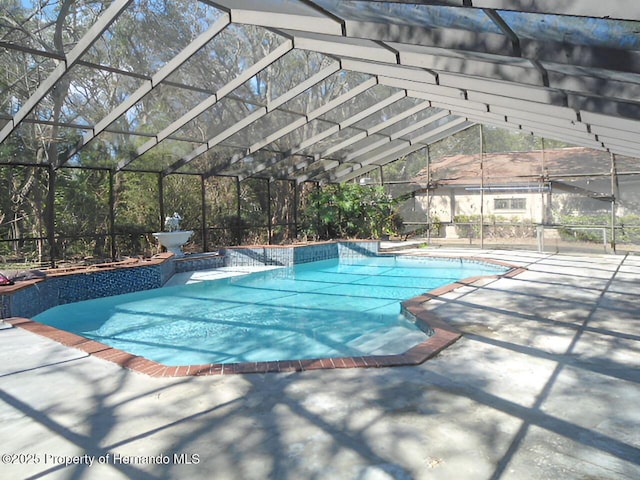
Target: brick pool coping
x: 443, y: 336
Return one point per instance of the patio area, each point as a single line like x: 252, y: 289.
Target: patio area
x: 543, y: 384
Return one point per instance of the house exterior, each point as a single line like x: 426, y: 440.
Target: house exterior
x: 522, y: 187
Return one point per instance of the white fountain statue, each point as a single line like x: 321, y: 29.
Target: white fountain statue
x: 173, y: 238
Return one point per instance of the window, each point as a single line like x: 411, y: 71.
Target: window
x: 510, y: 204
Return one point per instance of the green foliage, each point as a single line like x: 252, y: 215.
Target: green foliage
x: 627, y: 231
x: 406, y: 167
x: 350, y: 210
x: 467, y: 226
x: 136, y: 202
x: 82, y: 209
x: 500, y: 140
x: 466, y: 142
x: 183, y: 194
x: 495, y: 226
x: 233, y: 233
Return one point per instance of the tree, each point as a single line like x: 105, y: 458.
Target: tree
x: 350, y: 210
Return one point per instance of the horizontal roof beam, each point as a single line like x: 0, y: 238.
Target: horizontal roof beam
x: 389, y: 70
x: 627, y: 145
x: 455, y: 39
x: 398, y: 150
x: 370, y: 131
x: 367, y: 157
x: 94, y: 33
x: 363, y: 49
x: 154, y: 81
x: 620, y: 9
x: 408, y: 40
x: 281, y: 15
x: 359, y: 169
x: 334, y: 103
x: 224, y: 91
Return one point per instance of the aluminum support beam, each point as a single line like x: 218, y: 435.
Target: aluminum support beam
x: 467, y: 45
x: 510, y: 69
x: 616, y: 142
x: 619, y: 123
x: 372, y: 82
x: 362, y: 49
x: 523, y: 105
x: 390, y: 70
x: 395, y: 136
x: 394, y: 151
x: 367, y: 158
x: 449, y: 102
x: 94, y: 33
x: 614, y: 134
x: 370, y: 131
x: 378, y: 128
x: 281, y: 15
x: 620, y: 9
x: 455, y: 39
x: 361, y: 168
x: 224, y: 91
x: 532, y: 93
x: 541, y: 105
x: 422, y: 87
x: 152, y: 83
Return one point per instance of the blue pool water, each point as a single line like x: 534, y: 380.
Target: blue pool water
x: 322, y: 309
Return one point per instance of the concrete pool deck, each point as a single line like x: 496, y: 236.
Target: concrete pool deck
x: 544, y: 383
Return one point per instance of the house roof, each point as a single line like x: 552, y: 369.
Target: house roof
x: 310, y: 89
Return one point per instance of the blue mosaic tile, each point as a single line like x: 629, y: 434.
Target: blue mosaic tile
x: 315, y: 253
x: 25, y: 303
x: 105, y: 283
x: 358, y: 249
x: 5, y: 307
x: 101, y: 283
x: 54, y: 291
x: 198, y: 262
x: 257, y: 256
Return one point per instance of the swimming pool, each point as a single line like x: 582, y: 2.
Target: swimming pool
x: 331, y: 308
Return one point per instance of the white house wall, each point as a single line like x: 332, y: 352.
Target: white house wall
x: 448, y: 204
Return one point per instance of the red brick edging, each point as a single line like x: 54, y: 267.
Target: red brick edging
x: 443, y: 336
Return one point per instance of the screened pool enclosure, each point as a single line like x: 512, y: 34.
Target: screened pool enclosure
x: 490, y: 121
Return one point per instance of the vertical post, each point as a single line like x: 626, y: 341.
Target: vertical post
x: 50, y: 214
x: 614, y: 194
x: 540, y: 237
x: 112, y: 214
x: 318, y: 224
x: 238, y: 213
x: 481, y: 188
x: 452, y: 205
x: 269, y: 220
x: 543, y: 207
x: 296, y: 201
x: 161, y: 200
x: 238, y: 210
x: 203, y: 203
x: 428, y: 194
x: 548, y: 184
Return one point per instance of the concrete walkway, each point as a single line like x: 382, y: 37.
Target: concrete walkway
x: 544, y: 384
